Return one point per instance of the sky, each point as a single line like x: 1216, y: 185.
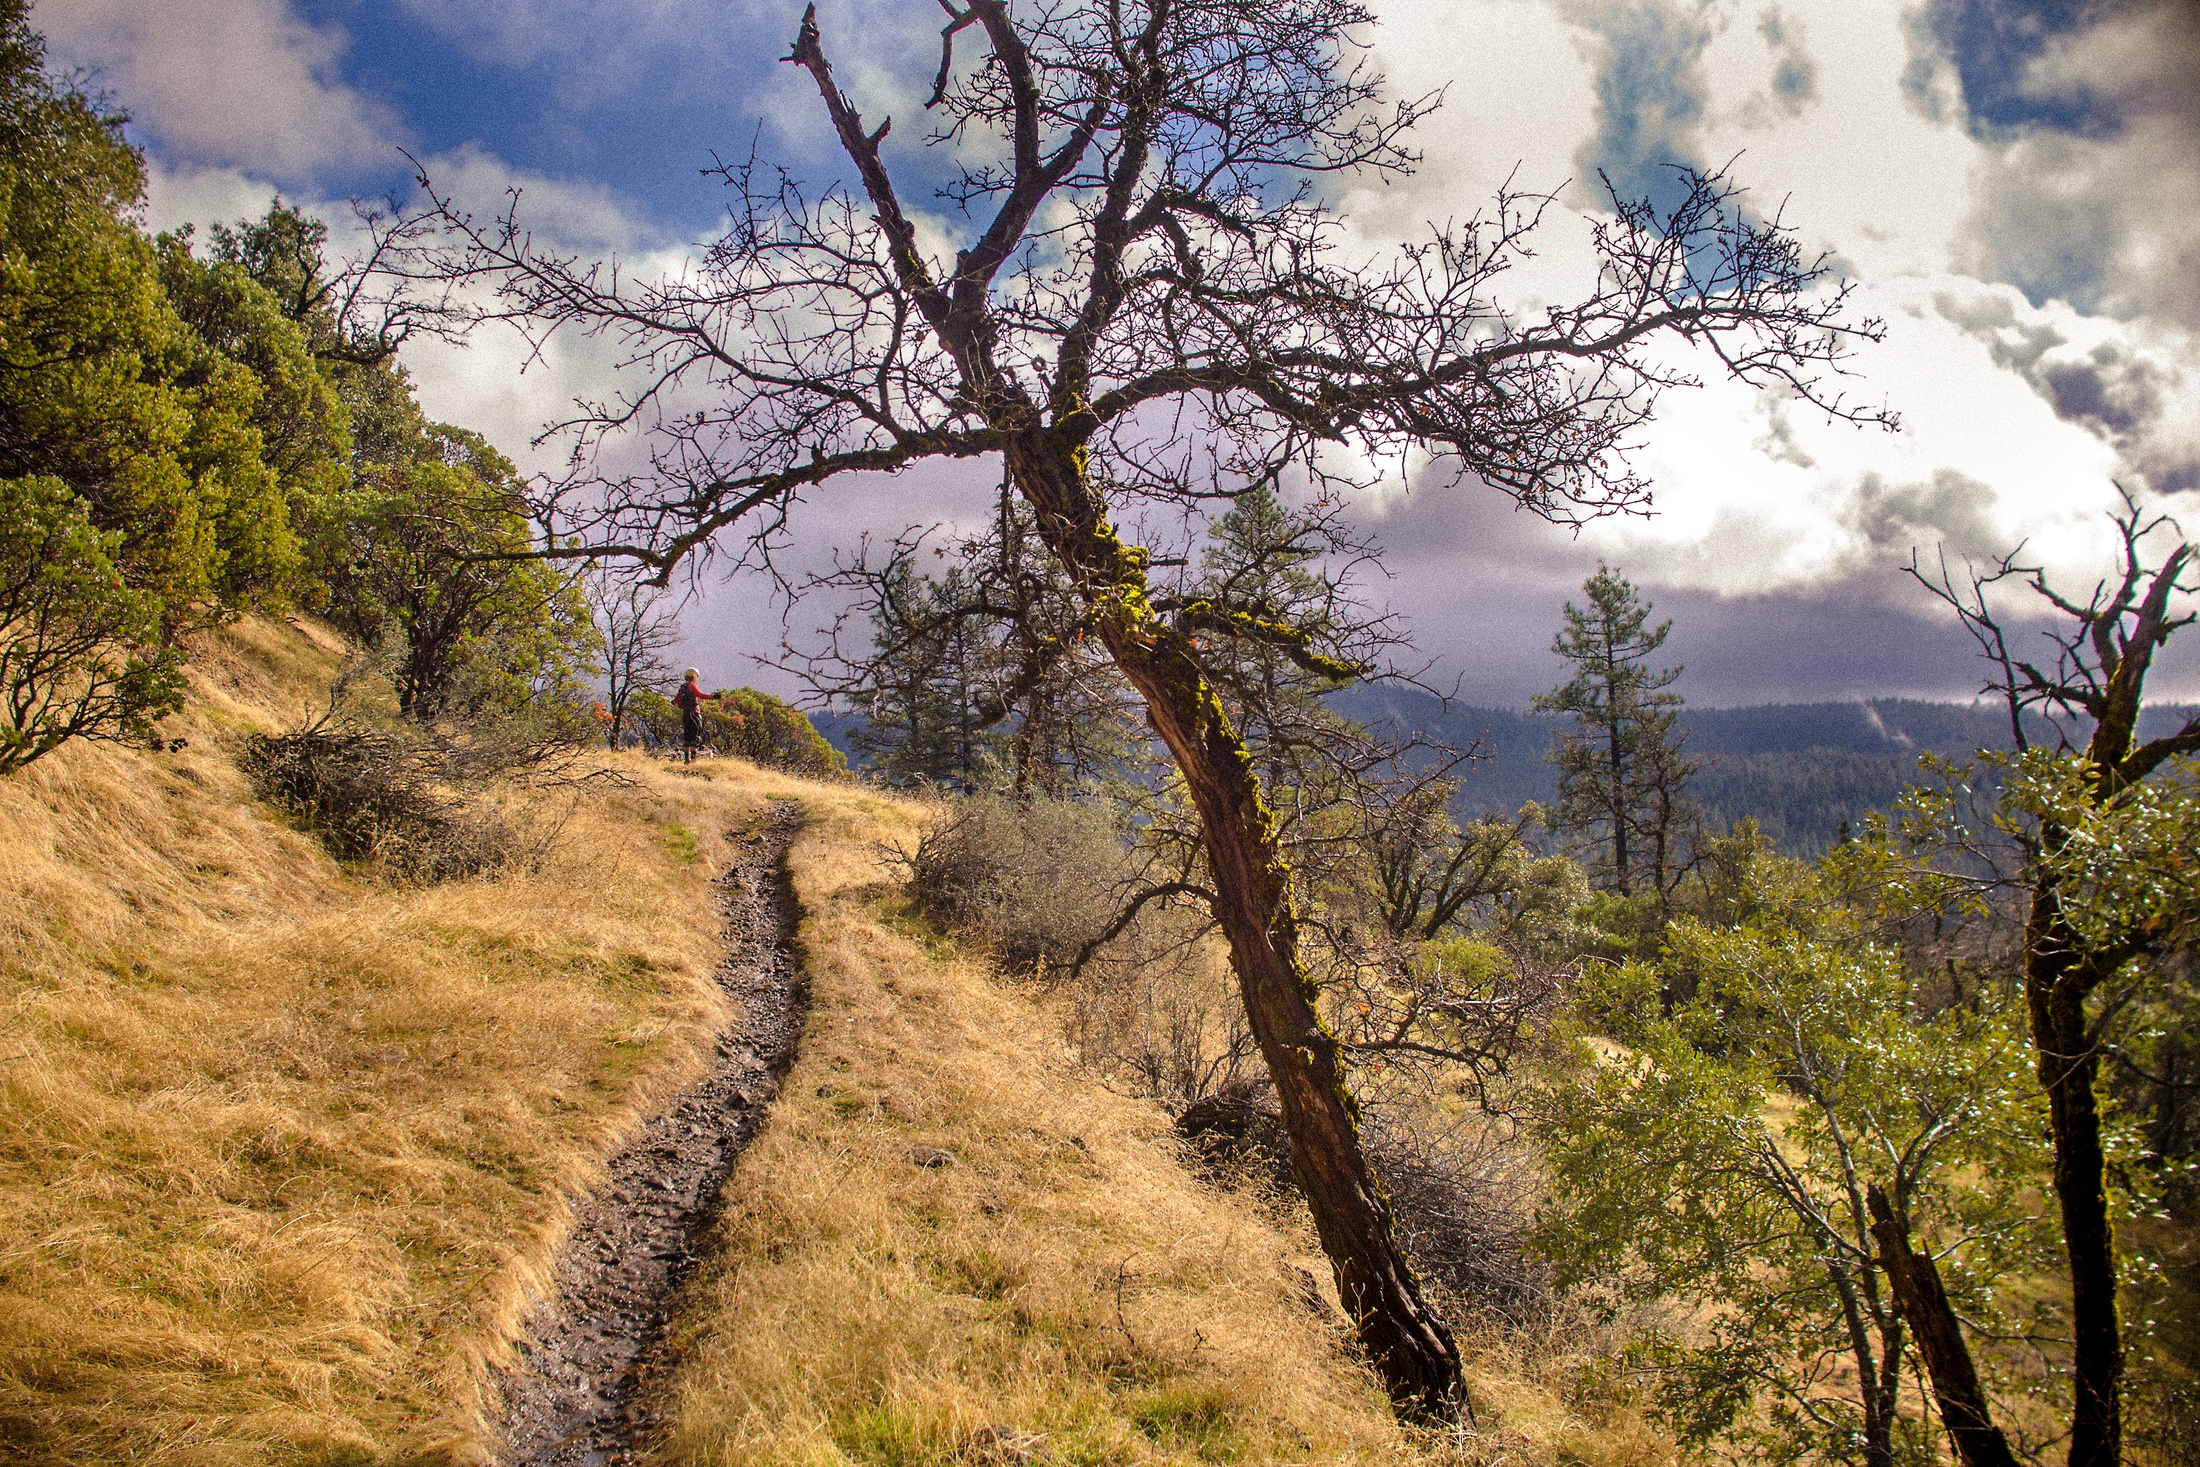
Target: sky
x: 2013, y: 188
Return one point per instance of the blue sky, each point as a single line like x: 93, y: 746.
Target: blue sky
x: 2014, y: 187
x: 646, y: 130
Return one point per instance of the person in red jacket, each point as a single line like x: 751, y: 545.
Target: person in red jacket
x: 689, y: 700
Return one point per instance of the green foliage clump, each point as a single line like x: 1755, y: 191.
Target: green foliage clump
x: 79, y: 648
x: 1780, y: 1065
x: 109, y: 383
x: 464, y: 632
x: 198, y: 435
x: 765, y: 729
x: 745, y: 723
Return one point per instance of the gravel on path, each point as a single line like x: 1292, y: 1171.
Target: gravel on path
x: 583, y: 1396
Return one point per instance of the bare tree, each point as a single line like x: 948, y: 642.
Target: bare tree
x: 635, y: 628
x: 2091, y: 689
x: 1154, y: 301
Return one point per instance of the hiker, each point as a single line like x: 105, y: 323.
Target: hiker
x: 689, y: 700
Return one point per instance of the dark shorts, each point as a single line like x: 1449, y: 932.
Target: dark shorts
x: 691, y: 729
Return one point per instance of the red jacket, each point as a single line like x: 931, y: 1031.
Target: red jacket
x: 689, y: 699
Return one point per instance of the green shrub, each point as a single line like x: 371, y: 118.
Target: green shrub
x: 760, y: 727
x: 79, y: 649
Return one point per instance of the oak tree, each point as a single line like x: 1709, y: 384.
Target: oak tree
x: 2105, y: 901
x: 1150, y: 297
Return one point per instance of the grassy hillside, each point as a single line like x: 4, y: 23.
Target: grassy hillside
x: 948, y: 1246
x: 281, y: 1147
x: 284, y: 1148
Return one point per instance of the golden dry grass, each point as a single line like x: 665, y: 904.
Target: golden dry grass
x: 1063, y: 1286
x: 281, y: 1150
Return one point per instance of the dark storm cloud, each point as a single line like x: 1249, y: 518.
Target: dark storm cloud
x: 1483, y: 587
x: 1870, y: 636
x: 1994, y: 45
x: 2108, y: 390
x: 1949, y: 511
x: 1859, y: 639
x: 1874, y: 636
x: 2092, y: 115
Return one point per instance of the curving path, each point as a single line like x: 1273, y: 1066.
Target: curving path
x: 583, y: 1397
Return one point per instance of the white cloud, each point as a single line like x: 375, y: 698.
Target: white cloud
x: 1755, y: 495
x: 2016, y: 416
x: 226, y: 83
x: 1850, y: 166
x: 2108, y: 221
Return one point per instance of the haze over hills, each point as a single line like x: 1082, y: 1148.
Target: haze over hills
x: 1799, y: 769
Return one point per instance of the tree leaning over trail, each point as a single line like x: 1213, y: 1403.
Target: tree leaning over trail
x: 1154, y: 302
x: 1621, y: 769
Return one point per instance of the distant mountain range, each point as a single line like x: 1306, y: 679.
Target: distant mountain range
x: 1798, y: 769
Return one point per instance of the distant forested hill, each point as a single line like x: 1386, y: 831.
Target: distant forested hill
x: 1799, y: 769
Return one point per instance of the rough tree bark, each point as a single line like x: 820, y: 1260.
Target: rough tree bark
x: 1251, y: 880
x: 2057, y: 982
x: 1932, y: 1320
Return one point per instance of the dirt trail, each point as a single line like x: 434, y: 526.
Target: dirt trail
x: 583, y: 1398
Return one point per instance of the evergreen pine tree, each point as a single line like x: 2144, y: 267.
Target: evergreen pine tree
x: 1623, y: 770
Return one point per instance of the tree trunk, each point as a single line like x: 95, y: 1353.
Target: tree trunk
x: 2056, y: 987
x: 1408, y: 1343
x: 1619, y: 788
x: 1924, y: 1305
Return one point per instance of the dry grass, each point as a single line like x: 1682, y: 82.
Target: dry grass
x: 947, y: 1247
x: 282, y: 1152
x: 281, y: 1149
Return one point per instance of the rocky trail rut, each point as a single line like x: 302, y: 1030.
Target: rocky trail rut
x: 586, y: 1393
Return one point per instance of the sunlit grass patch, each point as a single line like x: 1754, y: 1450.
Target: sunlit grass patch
x: 283, y: 1149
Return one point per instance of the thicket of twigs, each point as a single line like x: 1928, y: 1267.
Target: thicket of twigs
x: 416, y: 800
x: 375, y: 798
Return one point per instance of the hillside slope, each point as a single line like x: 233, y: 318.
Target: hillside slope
x: 283, y: 1148
x: 286, y: 1152
x: 1798, y: 769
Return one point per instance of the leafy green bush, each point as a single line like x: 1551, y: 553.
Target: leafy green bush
x: 651, y: 714
x: 79, y: 649
x: 760, y: 727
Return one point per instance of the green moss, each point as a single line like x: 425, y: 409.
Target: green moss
x: 680, y: 841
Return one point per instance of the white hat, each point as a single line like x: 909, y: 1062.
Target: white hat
x: 693, y: 674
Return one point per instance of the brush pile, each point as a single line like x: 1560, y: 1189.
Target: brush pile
x: 378, y: 799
